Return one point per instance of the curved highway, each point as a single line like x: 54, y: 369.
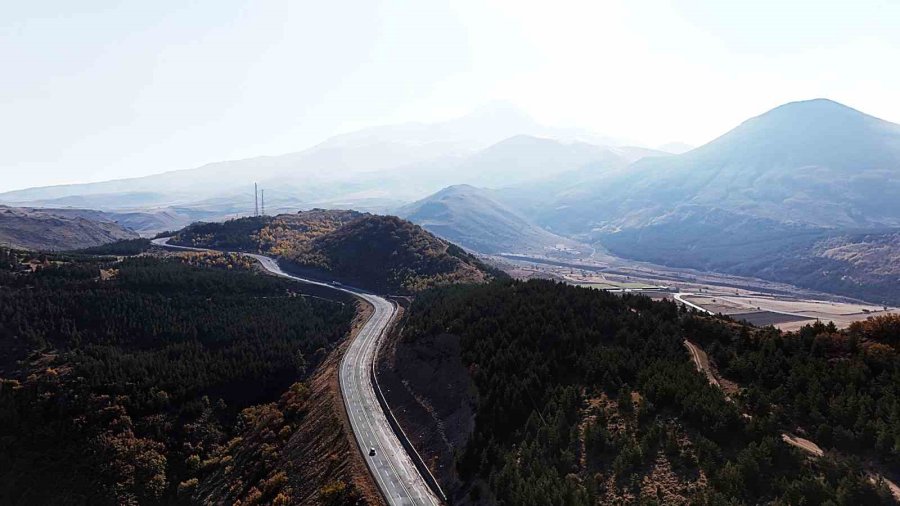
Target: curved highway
x: 393, y: 469
x: 678, y: 297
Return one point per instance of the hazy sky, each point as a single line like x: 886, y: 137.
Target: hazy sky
x: 95, y: 90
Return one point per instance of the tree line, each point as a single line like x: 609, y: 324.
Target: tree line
x: 117, y: 388
x: 581, y: 392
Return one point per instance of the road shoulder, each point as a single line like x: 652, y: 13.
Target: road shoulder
x: 358, y: 469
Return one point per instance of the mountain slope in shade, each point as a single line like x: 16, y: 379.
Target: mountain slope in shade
x: 471, y: 217
x: 762, y: 200
x: 58, y: 229
x: 816, y: 163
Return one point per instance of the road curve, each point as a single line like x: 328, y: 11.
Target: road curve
x: 678, y: 297
x: 393, y: 469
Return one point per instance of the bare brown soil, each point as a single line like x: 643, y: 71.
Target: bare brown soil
x: 803, y: 443
x: 661, y: 479
x: 703, y: 364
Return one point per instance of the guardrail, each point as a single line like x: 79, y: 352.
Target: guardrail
x: 398, y: 430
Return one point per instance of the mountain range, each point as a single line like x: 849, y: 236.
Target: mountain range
x: 816, y: 163
x: 774, y: 197
x: 767, y: 199
x: 375, y: 169
x: 805, y: 193
x: 371, y: 164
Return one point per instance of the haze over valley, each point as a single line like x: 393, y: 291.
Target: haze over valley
x: 783, y: 196
x: 434, y: 253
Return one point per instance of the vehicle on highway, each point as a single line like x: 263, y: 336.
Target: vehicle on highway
x: 400, y: 481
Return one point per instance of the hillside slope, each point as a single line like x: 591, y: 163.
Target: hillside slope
x: 382, y: 253
x: 816, y: 163
x: 58, y: 229
x: 762, y: 200
x: 175, y: 379
x: 544, y: 393
x: 471, y: 217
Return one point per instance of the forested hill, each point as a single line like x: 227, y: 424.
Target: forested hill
x: 582, y: 397
x: 383, y: 253
x: 177, y: 380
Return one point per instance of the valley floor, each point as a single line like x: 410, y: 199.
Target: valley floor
x: 754, y: 300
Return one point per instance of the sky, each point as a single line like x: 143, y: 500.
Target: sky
x: 95, y: 90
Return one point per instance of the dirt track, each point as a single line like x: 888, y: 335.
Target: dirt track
x: 804, y: 444
x: 701, y: 361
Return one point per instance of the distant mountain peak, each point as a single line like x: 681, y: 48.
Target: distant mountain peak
x: 814, y: 109
x: 809, y: 133
x: 820, y: 116
x: 459, y: 188
x: 821, y: 101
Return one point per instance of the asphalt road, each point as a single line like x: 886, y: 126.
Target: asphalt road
x: 678, y: 297
x: 393, y: 469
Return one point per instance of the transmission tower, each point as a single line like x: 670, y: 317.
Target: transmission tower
x: 255, y: 200
x: 262, y: 202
